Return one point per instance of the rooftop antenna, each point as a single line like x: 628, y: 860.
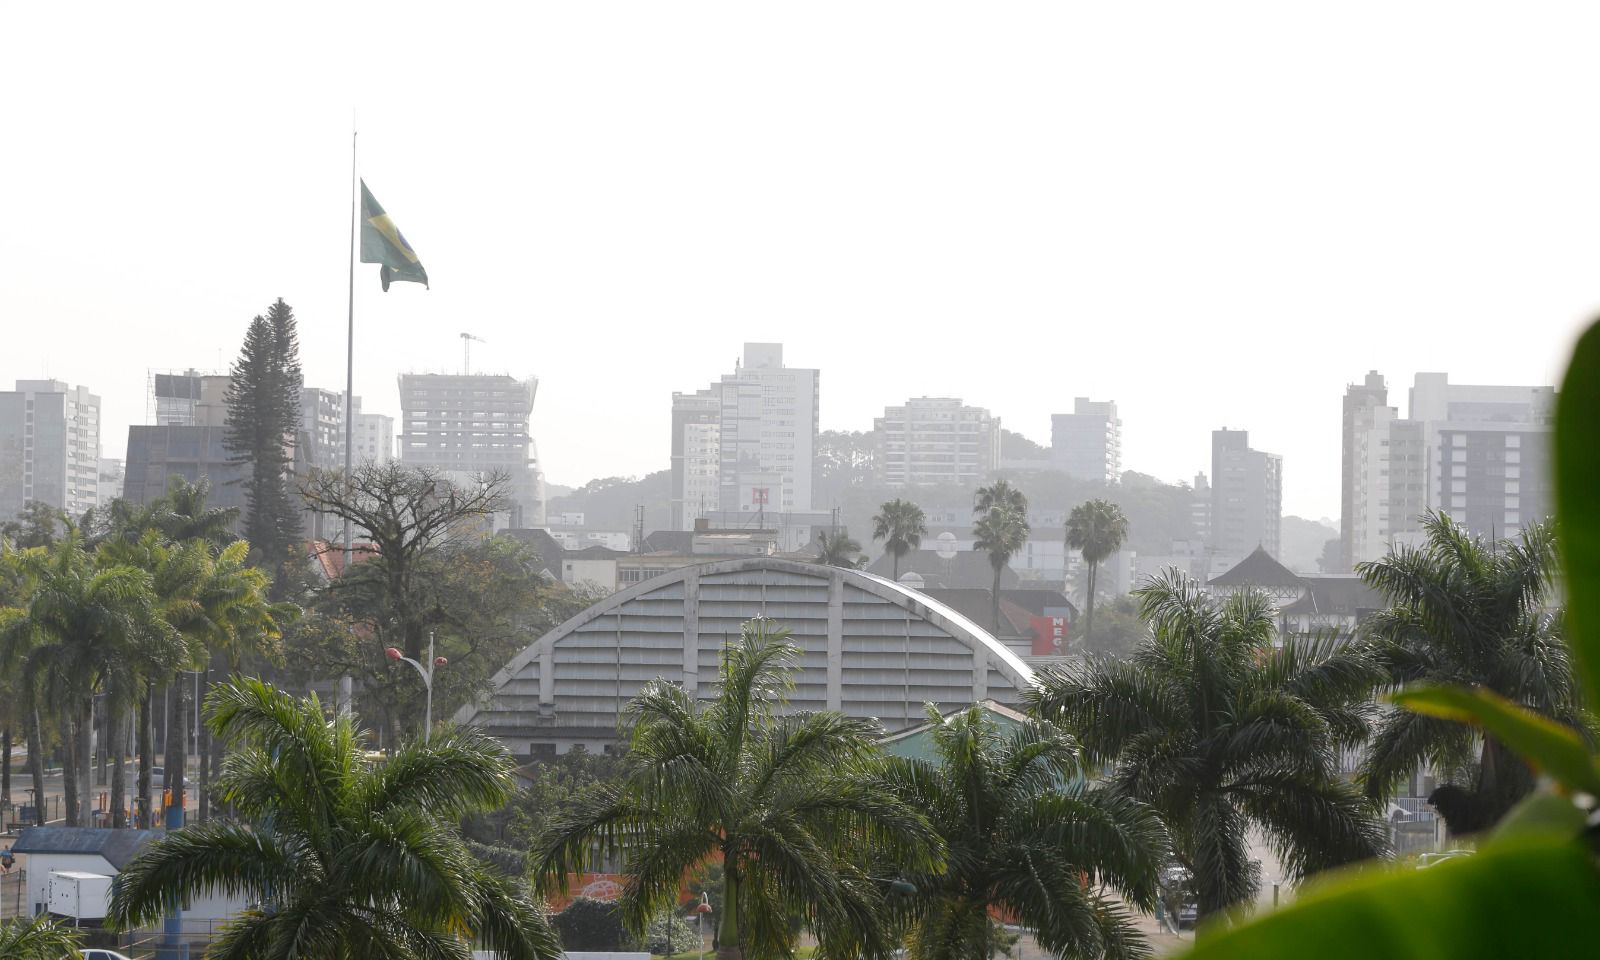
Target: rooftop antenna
x: 466, y: 352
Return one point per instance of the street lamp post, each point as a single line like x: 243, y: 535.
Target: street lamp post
x: 700, y: 910
x: 426, y: 673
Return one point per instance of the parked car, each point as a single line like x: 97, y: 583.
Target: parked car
x: 98, y: 954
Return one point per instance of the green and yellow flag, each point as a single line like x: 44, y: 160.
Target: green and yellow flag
x: 382, y: 242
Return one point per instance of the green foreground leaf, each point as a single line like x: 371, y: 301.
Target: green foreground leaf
x: 1578, y: 505
x: 1549, y: 746
x: 1529, y: 899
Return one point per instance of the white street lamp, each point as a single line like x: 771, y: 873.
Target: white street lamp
x: 393, y: 653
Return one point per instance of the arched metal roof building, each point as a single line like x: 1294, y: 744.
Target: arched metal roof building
x: 871, y: 648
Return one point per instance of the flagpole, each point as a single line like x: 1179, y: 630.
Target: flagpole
x: 345, y: 691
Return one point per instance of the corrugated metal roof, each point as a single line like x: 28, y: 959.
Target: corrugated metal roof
x: 117, y: 847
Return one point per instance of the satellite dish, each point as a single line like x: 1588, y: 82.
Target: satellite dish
x: 912, y: 579
x: 945, y: 545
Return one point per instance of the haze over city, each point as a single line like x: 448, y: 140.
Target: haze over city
x: 1158, y: 207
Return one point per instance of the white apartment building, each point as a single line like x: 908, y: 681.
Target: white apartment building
x: 1246, y: 496
x: 320, y: 442
x: 1479, y: 453
x: 765, y: 419
x: 372, y: 439
x: 49, y: 447
x: 934, y: 440
x: 1087, y: 443
x: 470, y: 425
x: 696, y: 456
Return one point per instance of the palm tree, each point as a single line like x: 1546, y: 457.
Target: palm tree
x: 838, y: 549
x: 41, y: 938
x: 1026, y: 839
x: 999, y: 494
x: 1001, y: 533
x: 1221, y: 731
x: 1097, y: 528
x: 85, y: 622
x: 1471, y: 613
x: 901, y: 525
x: 341, y: 857
x: 782, y: 801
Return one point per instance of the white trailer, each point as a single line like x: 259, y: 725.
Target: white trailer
x: 79, y: 895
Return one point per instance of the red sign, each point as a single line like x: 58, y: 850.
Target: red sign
x: 1049, y: 635
x: 758, y: 496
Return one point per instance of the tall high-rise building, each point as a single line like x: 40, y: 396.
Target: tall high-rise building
x: 765, y: 437
x: 1087, y: 443
x: 934, y: 440
x: 696, y: 455
x: 373, y: 440
x: 1364, y: 404
x: 470, y: 425
x: 320, y: 439
x: 1246, y: 496
x: 49, y: 447
x: 1479, y: 453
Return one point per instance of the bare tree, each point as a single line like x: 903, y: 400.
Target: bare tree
x: 404, y: 512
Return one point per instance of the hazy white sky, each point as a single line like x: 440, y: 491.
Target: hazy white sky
x: 1215, y: 214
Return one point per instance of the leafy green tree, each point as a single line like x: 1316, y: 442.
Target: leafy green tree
x: 1466, y: 611
x: 784, y: 800
x: 263, y: 401
x: 1027, y: 839
x: 1000, y: 531
x: 556, y: 787
x: 485, y: 599
x: 1097, y: 529
x: 1119, y: 630
x: 345, y: 858
x: 35, y: 526
x: 588, y: 925
x: 671, y: 934
x: 901, y: 525
x: 839, y: 549
x: 42, y: 938
x: 408, y: 515
x: 1221, y: 731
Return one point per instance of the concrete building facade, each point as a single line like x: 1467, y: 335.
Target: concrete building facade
x: 936, y: 440
x: 870, y: 649
x: 470, y: 425
x: 1246, y: 496
x: 696, y: 455
x: 1364, y: 404
x: 49, y: 447
x: 1479, y: 453
x: 1087, y: 443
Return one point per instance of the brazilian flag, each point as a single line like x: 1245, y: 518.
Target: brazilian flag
x: 382, y: 242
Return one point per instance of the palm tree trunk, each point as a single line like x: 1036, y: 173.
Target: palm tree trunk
x: 69, y: 770
x: 35, y: 761
x: 994, y: 595
x: 202, y: 747
x: 1088, y: 617
x: 86, y: 792
x: 5, y: 768
x: 145, y: 748
x: 177, y: 745
x: 728, y: 938
x: 896, y: 575
x: 115, y: 735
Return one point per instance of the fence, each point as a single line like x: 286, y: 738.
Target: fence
x: 14, y: 895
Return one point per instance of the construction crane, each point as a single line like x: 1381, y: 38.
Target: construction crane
x: 466, y: 351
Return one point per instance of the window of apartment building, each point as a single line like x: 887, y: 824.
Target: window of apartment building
x: 1458, y: 456
x: 1458, y: 440
x: 1513, y: 456
x: 1513, y: 486
x: 1513, y: 440
x: 1458, y: 470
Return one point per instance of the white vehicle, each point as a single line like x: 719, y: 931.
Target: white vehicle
x: 104, y: 955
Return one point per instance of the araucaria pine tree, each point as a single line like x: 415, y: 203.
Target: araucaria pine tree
x: 263, y: 416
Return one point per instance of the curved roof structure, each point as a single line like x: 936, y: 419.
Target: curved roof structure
x: 870, y: 648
